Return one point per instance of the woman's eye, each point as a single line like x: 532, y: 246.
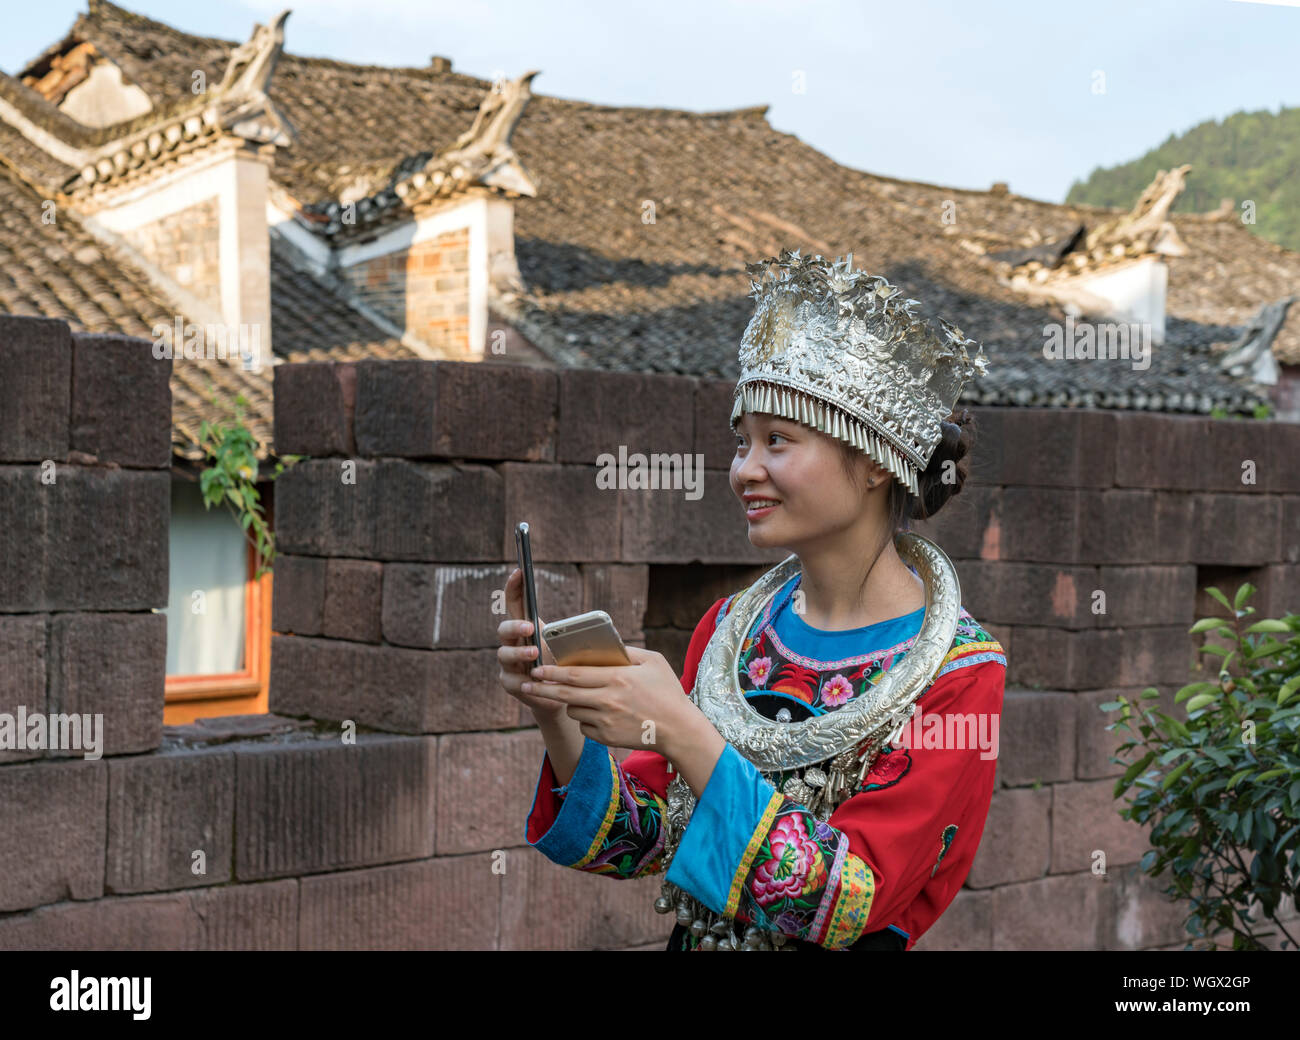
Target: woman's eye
x: 740, y: 441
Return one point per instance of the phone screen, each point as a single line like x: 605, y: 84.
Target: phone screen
x: 530, y: 587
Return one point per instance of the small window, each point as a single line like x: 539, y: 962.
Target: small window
x: 218, y: 614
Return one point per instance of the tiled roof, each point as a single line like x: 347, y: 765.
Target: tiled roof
x: 608, y: 289
x: 310, y: 322
x: 58, y: 270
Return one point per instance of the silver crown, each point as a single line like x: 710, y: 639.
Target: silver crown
x: 843, y: 352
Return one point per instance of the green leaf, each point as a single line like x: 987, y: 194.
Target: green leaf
x: 1191, y: 689
x: 1244, y: 593
x: 1271, y: 773
x: 1268, y: 625
x: 1172, y: 778
x: 1218, y: 596
x: 1181, y: 730
x: 1206, y: 624
x: 1288, y: 690
x: 1138, y: 766
x: 1238, y: 775
x: 1196, y: 703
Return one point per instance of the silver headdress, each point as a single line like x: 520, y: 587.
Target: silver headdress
x: 843, y: 352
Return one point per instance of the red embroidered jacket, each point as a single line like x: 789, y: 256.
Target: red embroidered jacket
x: 893, y: 855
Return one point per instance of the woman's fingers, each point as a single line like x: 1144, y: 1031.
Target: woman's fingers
x: 515, y: 593
x: 518, y: 658
x: 514, y: 631
x: 517, y: 630
x: 584, y: 696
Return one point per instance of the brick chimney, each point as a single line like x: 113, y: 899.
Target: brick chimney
x: 428, y: 253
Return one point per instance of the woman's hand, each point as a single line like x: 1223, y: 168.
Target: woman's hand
x: 639, y: 706
x: 517, y: 653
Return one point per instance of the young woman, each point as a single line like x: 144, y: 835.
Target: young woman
x: 844, y: 808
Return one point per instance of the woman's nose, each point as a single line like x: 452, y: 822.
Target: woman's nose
x: 749, y: 468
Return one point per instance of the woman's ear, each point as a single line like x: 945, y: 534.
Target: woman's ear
x: 876, y: 473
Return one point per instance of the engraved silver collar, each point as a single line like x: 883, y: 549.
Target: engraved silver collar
x: 781, y: 746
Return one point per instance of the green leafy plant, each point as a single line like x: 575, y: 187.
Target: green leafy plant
x: 1222, y: 789
x: 230, y: 450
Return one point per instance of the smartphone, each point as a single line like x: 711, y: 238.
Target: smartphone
x: 530, y: 588
x: 586, y: 639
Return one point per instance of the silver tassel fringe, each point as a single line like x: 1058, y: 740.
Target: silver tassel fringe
x: 815, y: 413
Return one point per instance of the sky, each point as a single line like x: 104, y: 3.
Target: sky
x: 1036, y: 93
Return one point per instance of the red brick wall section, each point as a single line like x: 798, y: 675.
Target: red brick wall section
x: 396, y: 536
x: 423, y: 289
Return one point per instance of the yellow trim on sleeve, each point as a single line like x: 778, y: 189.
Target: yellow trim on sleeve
x: 972, y: 648
x: 608, y: 821
x: 852, y: 905
x: 751, y: 850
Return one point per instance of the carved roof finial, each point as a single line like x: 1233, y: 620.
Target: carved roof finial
x: 482, y: 154
x: 242, y: 105
x: 253, y: 62
x: 1147, y: 224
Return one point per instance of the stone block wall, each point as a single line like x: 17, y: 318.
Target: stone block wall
x: 85, y: 426
x: 1083, y: 541
x: 381, y: 804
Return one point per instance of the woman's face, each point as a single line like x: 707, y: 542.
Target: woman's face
x: 802, y: 470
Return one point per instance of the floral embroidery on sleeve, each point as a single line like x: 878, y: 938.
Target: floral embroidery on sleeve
x: 631, y: 845
x: 804, y: 881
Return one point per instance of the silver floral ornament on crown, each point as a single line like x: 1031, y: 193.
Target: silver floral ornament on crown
x: 843, y: 352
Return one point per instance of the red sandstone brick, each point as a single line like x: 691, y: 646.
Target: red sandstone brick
x: 451, y: 903
x: 1085, y: 821
x: 601, y: 410
x: 22, y: 678
x: 162, y: 810
x: 316, y: 806
x: 52, y: 819
x: 35, y: 388
x: 1069, y: 912
x: 1016, y: 838
x: 548, y: 907
x: 1036, y: 737
x: 570, y: 519
x: 664, y: 526
x: 1044, y: 447
x: 353, y: 600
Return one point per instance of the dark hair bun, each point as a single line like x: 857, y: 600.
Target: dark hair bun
x: 946, y: 472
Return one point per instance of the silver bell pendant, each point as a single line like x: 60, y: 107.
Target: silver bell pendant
x: 663, y: 905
